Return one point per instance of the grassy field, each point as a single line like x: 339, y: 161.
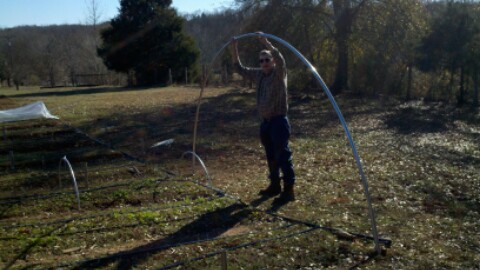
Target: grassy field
x: 144, y: 208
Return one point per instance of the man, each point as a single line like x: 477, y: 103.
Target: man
x: 271, y: 82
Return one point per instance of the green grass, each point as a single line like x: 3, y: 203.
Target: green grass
x: 421, y: 161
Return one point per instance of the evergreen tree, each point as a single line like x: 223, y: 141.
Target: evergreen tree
x: 473, y: 54
x: 3, y: 69
x: 447, y: 45
x: 147, y: 39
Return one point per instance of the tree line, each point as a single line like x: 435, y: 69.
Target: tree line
x: 48, y: 56
x: 408, y: 49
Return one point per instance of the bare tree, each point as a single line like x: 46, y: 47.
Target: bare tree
x: 94, y: 13
x: 93, y: 21
x: 93, y: 17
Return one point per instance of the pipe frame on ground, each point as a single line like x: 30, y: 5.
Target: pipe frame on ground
x: 72, y: 174
x: 205, y: 170
x: 335, y: 107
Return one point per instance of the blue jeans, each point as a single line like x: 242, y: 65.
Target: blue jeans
x: 274, y: 134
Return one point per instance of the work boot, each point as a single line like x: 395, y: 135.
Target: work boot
x: 287, y: 195
x: 272, y: 190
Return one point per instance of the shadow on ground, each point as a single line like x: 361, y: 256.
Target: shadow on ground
x: 418, y: 120
x: 78, y: 91
x: 208, y: 226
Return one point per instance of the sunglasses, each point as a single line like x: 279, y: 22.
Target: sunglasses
x: 264, y: 60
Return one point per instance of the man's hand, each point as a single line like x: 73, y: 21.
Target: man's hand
x: 234, y: 42
x: 265, y: 41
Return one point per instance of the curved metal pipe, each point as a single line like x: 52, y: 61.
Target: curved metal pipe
x: 336, y: 108
x: 209, y: 179
x: 72, y: 174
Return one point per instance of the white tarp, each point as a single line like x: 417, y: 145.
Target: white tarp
x: 35, y: 110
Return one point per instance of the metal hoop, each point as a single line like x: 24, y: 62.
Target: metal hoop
x: 64, y: 160
x: 209, y: 179
x: 335, y: 107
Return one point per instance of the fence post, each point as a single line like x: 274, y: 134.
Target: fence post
x: 224, y: 260
x: 186, y: 76
x: 59, y: 176
x: 225, y: 78
x: 142, y: 145
x: 86, y: 174
x: 12, y: 161
x: 170, y: 78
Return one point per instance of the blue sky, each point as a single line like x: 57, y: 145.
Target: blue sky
x: 47, y: 12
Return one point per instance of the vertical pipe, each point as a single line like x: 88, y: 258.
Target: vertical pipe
x: 12, y: 160
x: 224, y: 260
x: 202, y: 164
x: 225, y: 72
x: 142, y: 145
x: 186, y: 76
x: 72, y: 174
x: 59, y: 174
x: 197, y: 114
x: 86, y: 174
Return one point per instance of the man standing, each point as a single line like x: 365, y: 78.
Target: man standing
x: 272, y: 104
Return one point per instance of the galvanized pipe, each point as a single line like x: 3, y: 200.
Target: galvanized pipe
x: 195, y: 156
x: 64, y: 160
x: 335, y: 107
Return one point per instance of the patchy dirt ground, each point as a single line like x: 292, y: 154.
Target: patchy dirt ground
x: 421, y: 161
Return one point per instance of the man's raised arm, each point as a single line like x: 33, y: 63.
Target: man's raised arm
x: 247, y: 72
x: 279, y: 60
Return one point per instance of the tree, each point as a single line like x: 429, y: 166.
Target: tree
x: 383, y: 46
x: 446, y: 47
x: 344, y: 15
x: 306, y: 23
x: 147, y: 38
x: 92, y: 37
x: 473, y: 53
x: 6, y: 57
x: 3, y: 69
x: 51, y: 60
x: 474, y: 64
x: 94, y: 14
x: 20, y: 54
x: 211, y: 31
x: 335, y: 16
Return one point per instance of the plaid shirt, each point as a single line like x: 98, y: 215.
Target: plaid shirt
x: 271, y: 88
